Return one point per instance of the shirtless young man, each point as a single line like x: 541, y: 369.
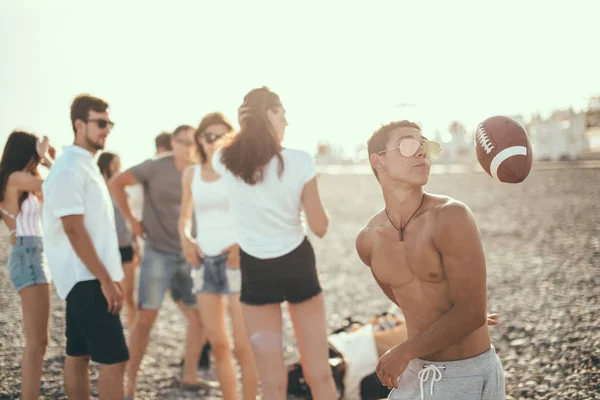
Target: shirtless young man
x: 425, y: 253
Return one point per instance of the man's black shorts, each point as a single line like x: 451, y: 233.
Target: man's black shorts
x: 91, y: 329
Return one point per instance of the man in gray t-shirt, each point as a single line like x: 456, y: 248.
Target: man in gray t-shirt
x: 161, y: 181
x: 163, y: 266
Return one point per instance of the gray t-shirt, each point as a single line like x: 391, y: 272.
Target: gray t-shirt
x: 162, y: 201
x: 123, y: 233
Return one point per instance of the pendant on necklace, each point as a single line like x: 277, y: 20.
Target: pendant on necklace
x: 401, y: 230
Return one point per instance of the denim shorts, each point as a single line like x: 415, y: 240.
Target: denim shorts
x: 160, y: 272
x: 214, y: 276
x: 27, y: 263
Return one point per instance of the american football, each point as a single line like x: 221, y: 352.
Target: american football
x: 503, y: 149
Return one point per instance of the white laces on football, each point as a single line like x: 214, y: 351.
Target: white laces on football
x: 424, y: 376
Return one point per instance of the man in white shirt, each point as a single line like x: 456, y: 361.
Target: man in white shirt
x: 82, y: 249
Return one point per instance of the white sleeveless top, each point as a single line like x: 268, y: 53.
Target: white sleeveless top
x: 29, y: 219
x: 215, y: 230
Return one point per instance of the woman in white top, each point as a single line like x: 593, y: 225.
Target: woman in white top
x: 268, y: 187
x: 215, y: 253
x: 20, y: 209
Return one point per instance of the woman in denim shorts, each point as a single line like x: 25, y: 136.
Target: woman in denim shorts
x: 20, y: 209
x: 215, y: 254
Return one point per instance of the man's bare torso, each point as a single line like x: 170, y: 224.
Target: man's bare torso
x: 412, y: 273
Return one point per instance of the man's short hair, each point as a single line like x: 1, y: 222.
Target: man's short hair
x: 163, y: 140
x: 81, y: 106
x: 181, y: 128
x: 381, y: 136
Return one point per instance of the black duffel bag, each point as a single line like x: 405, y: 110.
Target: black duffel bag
x: 297, y: 385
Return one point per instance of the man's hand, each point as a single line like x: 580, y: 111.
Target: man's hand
x: 136, y: 259
x: 233, y: 259
x: 492, y: 319
x: 84, y: 248
x: 136, y: 227
x: 113, y: 295
x: 390, y: 366
x: 191, y: 251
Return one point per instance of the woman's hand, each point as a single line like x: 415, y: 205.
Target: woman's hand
x: 52, y: 152
x: 243, y: 113
x: 233, y: 259
x: 46, y: 152
x: 43, y: 146
x: 136, y: 259
x: 191, y: 251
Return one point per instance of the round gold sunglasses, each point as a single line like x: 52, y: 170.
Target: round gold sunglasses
x: 410, y: 146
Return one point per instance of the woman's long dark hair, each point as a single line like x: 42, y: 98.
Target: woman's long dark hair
x: 104, y: 163
x: 248, y: 152
x: 20, y: 150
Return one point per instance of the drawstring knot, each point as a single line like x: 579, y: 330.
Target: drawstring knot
x: 423, y: 376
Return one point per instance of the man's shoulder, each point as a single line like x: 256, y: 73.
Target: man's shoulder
x: 376, y: 221
x: 64, y: 165
x: 448, y: 209
x: 453, y: 219
x: 154, y: 168
x: 163, y: 157
x: 65, y: 159
x: 367, y: 235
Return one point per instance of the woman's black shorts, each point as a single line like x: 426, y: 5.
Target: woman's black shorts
x: 126, y: 254
x: 291, y: 277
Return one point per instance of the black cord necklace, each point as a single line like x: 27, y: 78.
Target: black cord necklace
x: 401, y: 230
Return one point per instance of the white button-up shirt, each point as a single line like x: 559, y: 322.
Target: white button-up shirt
x: 75, y: 186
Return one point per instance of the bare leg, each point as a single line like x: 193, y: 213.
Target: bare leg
x: 264, y: 329
x: 212, y: 312
x: 242, y: 349
x: 110, y: 381
x: 194, y: 343
x: 128, y: 285
x: 35, y: 302
x: 310, y: 327
x: 77, y: 381
x: 138, y: 342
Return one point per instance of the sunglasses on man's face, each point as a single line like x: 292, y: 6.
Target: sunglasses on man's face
x: 102, y: 123
x: 410, y: 146
x: 211, y: 137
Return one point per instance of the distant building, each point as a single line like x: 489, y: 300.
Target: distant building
x: 520, y: 119
x: 558, y: 137
x: 592, y: 131
x: 564, y: 135
x: 327, y: 155
x: 456, y: 143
